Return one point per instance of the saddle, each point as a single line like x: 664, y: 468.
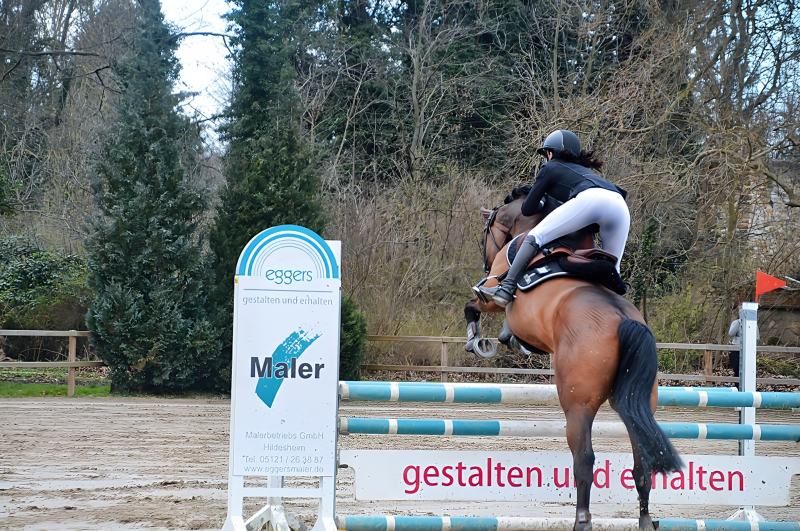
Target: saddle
x: 574, y: 255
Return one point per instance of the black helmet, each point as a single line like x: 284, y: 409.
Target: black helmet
x: 560, y: 140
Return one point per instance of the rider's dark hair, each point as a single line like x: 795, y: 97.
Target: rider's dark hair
x: 585, y: 159
x: 516, y: 193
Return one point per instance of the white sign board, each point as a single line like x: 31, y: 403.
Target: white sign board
x: 547, y: 477
x: 285, y: 355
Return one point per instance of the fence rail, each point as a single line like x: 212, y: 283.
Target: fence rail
x: 443, y: 369
x: 73, y: 336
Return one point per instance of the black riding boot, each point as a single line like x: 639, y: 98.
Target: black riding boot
x: 504, y: 293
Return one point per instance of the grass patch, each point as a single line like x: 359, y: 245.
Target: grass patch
x: 54, y: 375
x: 27, y: 390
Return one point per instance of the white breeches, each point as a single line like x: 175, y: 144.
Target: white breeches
x: 595, y: 205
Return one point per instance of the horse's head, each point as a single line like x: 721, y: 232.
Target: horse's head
x: 504, y: 223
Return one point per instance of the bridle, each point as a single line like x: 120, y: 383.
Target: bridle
x: 487, y: 232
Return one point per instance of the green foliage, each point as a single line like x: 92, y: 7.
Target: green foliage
x: 40, y: 290
x: 268, y: 167
x: 353, y: 340
x: 788, y: 368
x: 149, y: 316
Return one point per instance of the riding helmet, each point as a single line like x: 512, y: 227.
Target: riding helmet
x: 560, y: 140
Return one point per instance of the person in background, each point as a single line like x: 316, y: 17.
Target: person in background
x: 735, y: 331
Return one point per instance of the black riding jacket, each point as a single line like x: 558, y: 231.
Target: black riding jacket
x: 563, y: 181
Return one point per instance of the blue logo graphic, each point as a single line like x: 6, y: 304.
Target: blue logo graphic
x: 254, y: 260
x: 283, y: 364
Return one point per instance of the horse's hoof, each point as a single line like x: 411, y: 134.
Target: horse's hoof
x: 485, y: 348
x: 646, y: 523
x: 583, y: 526
x: 583, y: 521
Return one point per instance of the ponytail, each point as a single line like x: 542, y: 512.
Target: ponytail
x: 585, y: 159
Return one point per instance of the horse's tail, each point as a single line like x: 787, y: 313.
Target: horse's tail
x: 631, y: 393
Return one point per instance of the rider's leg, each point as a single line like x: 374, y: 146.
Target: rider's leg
x: 615, y: 227
x: 595, y: 205
x: 504, y: 293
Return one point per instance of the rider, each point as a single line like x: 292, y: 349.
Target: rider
x: 587, y: 198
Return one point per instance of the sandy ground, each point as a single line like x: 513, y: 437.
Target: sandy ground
x: 127, y: 463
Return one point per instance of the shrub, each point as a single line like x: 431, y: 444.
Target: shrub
x: 353, y: 340
x: 40, y: 290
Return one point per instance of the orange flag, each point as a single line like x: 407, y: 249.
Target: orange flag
x: 765, y: 283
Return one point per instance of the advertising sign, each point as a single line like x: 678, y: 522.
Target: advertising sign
x: 285, y: 355
x: 547, y: 477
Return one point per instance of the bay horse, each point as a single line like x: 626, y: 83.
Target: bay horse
x: 602, y: 350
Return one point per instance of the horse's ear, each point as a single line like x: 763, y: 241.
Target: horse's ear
x: 485, y: 212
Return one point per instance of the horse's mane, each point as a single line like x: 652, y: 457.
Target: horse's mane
x: 516, y: 193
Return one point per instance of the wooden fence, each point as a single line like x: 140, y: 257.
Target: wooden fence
x: 72, y: 364
x: 443, y: 369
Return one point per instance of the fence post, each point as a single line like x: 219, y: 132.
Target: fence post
x: 747, y: 383
x: 73, y: 341
x: 444, y: 360
x: 709, y: 365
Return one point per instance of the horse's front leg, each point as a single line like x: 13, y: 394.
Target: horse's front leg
x: 579, y: 438
x: 485, y: 348
x: 643, y: 484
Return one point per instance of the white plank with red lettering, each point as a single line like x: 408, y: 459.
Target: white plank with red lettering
x: 546, y: 477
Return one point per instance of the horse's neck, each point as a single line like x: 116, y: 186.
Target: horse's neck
x: 520, y: 224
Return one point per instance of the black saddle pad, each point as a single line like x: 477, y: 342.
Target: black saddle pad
x: 597, y: 271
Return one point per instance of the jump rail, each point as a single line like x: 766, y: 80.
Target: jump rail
x: 557, y: 428
x: 435, y: 523
x: 73, y: 347
x: 546, y: 395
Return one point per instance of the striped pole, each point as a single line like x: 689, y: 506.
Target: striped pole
x: 546, y: 395
x: 452, y: 523
x: 557, y: 428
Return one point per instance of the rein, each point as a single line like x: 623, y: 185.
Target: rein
x: 487, y: 231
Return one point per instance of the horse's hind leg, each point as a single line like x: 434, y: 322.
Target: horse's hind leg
x: 643, y: 484
x: 579, y: 438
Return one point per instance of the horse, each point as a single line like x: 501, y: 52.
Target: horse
x: 602, y: 350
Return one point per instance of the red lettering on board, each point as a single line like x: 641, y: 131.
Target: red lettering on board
x: 627, y: 475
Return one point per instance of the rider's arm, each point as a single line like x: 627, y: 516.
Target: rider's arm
x: 543, y: 181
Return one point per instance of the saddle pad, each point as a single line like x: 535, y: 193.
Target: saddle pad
x: 600, y: 270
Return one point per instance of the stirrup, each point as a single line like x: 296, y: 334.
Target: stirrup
x: 499, y: 294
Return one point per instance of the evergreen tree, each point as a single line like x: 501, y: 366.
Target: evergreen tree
x: 352, y: 341
x: 146, y: 268
x: 268, y: 167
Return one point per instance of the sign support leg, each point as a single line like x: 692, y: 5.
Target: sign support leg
x: 234, y: 521
x: 273, y: 512
x: 327, y: 505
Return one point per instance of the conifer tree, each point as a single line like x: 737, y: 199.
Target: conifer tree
x: 146, y: 268
x: 268, y: 167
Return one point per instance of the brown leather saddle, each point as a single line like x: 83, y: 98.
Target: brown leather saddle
x: 574, y: 255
